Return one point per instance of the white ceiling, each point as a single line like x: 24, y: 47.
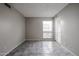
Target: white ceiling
x: 39, y: 9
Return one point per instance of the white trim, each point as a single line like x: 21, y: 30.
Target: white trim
x: 13, y: 48
x: 41, y: 39
x: 68, y: 50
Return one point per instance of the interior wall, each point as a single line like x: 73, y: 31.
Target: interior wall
x: 34, y: 27
x: 12, y: 29
x: 67, y: 27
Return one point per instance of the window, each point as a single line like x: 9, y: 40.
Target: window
x: 47, y: 29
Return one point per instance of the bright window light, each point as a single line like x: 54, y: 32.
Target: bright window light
x: 47, y: 29
x: 47, y: 25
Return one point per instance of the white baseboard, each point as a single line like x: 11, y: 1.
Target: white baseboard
x: 40, y: 39
x: 13, y: 48
x: 68, y: 50
x: 22, y: 42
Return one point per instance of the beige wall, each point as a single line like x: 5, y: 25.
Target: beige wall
x: 34, y: 27
x: 12, y: 29
x: 68, y: 23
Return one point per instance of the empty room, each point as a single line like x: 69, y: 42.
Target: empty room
x: 39, y: 29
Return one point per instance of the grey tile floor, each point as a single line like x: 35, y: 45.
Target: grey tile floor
x: 39, y: 48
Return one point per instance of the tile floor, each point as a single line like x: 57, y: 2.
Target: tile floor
x: 39, y: 48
